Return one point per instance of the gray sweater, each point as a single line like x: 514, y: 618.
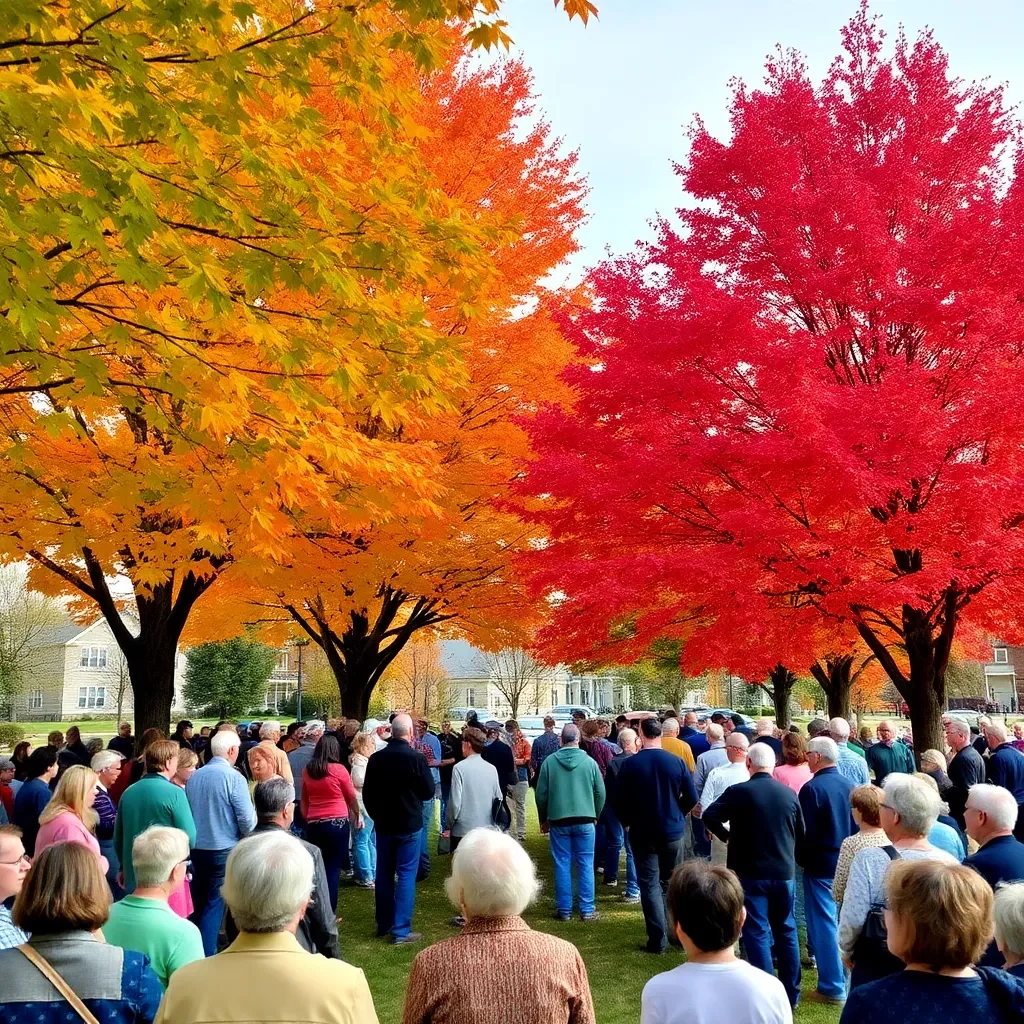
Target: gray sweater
x: 474, y: 790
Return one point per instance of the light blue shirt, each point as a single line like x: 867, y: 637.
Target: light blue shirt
x: 223, y: 812
x: 713, y: 758
x: 852, y: 767
x: 943, y: 837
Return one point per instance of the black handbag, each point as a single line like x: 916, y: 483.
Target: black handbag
x: 501, y: 815
x: 444, y: 844
x: 871, y: 952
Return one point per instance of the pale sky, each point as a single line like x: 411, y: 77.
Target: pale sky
x: 623, y: 89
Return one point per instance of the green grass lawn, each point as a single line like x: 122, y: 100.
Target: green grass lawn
x: 617, y: 967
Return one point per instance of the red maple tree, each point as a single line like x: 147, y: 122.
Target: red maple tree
x: 797, y: 413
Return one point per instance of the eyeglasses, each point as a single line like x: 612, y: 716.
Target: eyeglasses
x: 23, y: 858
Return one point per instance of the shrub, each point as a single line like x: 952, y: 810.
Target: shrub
x: 11, y: 735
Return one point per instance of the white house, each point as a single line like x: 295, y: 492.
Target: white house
x: 77, y: 670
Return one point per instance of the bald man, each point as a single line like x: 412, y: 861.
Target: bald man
x: 398, y: 781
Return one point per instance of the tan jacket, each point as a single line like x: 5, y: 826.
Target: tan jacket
x: 266, y: 979
x: 499, y: 969
x: 284, y: 769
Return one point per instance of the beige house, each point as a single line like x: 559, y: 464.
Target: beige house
x: 76, y: 671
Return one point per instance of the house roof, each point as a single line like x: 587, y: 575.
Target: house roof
x: 461, y: 660
x: 55, y: 636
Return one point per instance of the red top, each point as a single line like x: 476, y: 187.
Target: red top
x: 328, y: 797
x: 7, y: 799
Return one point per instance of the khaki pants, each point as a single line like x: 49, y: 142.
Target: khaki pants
x: 517, y: 805
x: 719, y: 851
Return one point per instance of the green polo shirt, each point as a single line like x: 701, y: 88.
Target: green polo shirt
x: 856, y: 750
x: 151, y: 927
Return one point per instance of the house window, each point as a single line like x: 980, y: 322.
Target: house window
x: 94, y: 657
x: 92, y: 696
x: 282, y: 661
x: 1002, y: 655
x: 35, y: 699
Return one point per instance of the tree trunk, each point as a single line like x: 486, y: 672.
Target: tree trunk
x: 151, y: 665
x: 925, y: 690
x: 836, y: 679
x: 781, y: 690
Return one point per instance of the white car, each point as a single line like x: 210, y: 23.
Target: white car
x: 532, y: 727
x: 564, y: 712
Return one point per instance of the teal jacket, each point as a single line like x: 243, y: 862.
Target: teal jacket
x: 570, y: 790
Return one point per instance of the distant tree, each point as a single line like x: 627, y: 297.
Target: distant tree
x: 517, y: 676
x: 228, y: 675
x: 416, y: 682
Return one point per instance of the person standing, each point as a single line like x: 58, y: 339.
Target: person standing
x: 653, y: 795
x: 707, y: 912
x: 719, y: 780
x: 966, y: 769
x: 34, y: 795
x: 398, y: 780
x: 107, y: 766
x: 617, y: 837
x: 124, y: 741
x: 671, y: 742
x: 866, y: 803
x: 474, y: 791
x: 14, y: 865
x: 451, y: 752
x: 852, y: 764
x: 364, y: 845
x: 543, y: 747
x: 713, y: 757
x: 570, y: 798
x: 223, y: 814
x: 300, y: 756
x: 517, y: 793
x: 429, y: 746
x: 828, y: 822
x: 887, y: 755
x: 270, y: 737
x: 1006, y: 768
x: 765, y: 826
x: 764, y: 732
x: 696, y: 740
x: 69, y: 817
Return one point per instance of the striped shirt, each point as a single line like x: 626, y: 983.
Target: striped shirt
x: 10, y: 934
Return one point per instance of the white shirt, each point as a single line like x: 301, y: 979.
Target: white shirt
x: 719, y: 780
x: 713, y: 993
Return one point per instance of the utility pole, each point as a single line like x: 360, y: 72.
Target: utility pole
x: 298, y: 693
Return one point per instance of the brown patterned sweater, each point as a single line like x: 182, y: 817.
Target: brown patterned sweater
x: 499, y: 964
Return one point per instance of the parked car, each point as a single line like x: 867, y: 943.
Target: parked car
x: 461, y: 714
x: 532, y: 727
x: 634, y: 718
x: 747, y: 720
x: 564, y: 712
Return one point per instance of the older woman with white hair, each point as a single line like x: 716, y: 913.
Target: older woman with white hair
x: 909, y: 810
x: 497, y: 960
x: 107, y: 766
x: 1008, y: 915
x: 267, y: 887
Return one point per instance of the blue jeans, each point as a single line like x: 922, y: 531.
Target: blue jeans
x: 364, y: 848
x: 428, y: 820
x: 330, y: 837
x: 822, y: 930
x: 394, y: 900
x: 617, y: 838
x: 109, y: 851
x: 701, y: 839
x: 207, y: 902
x: 656, y: 859
x: 770, y: 915
x: 572, y: 846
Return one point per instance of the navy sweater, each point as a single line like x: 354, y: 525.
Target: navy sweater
x: 1006, y: 769
x: 696, y: 740
x: 828, y: 820
x: 653, y: 794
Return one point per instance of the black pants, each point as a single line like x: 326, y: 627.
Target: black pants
x: 655, y: 861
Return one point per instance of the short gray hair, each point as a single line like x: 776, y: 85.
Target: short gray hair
x: 764, y: 726
x: 959, y: 726
x: 272, y: 797
x: 570, y: 734
x: 670, y: 726
x: 267, y: 881
x: 916, y: 803
x: 760, y: 755
x: 825, y: 747
x: 268, y: 728
x: 314, y: 725
x: 715, y: 733
x: 996, y: 802
x: 1008, y: 914
x: 998, y: 731
x: 840, y: 729
x: 817, y: 727
x: 156, y: 852
x: 738, y: 740
x: 223, y: 741
x: 104, y: 759
x: 492, y: 875
x: 626, y: 735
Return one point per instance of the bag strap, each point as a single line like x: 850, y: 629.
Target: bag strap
x: 49, y: 972
x: 892, y: 853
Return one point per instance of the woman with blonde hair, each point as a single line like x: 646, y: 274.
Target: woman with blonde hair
x: 69, y: 817
x: 188, y: 762
x: 364, y: 845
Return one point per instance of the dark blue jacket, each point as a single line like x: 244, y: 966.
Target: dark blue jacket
x: 765, y: 826
x: 999, y: 860
x: 1006, y: 769
x: 965, y: 769
x: 29, y: 802
x: 828, y: 820
x: 653, y: 794
x: 696, y: 739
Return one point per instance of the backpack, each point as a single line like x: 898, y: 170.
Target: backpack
x: 871, y: 953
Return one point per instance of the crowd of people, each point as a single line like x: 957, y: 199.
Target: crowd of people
x: 143, y: 880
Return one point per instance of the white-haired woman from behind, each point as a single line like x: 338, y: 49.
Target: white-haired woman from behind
x: 1008, y: 915
x: 497, y: 959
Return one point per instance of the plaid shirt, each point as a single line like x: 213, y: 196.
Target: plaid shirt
x: 10, y: 934
x: 521, y: 752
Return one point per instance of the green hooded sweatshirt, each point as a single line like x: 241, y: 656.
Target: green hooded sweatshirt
x: 570, y: 790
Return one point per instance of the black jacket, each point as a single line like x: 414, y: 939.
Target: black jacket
x: 500, y: 755
x: 397, y: 782
x: 966, y: 769
x: 318, y: 929
x: 765, y: 826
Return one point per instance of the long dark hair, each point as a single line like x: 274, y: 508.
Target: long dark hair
x: 326, y: 753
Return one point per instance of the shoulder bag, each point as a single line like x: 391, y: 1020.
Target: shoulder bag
x: 871, y: 953
x: 47, y: 970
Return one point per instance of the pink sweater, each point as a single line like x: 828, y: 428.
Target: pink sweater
x: 793, y: 775
x: 68, y: 828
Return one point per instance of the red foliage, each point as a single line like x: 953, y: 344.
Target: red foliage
x: 800, y: 407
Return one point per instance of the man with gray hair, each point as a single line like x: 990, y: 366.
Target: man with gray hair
x: 1006, y: 768
x: 765, y: 825
x: 966, y: 768
x: 398, y: 780
x: 764, y: 732
x: 303, y: 754
x: 828, y: 821
x: 719, y: 780
x: 570, y: 798
x: 629, y: 744
x: 888, y: 755
x: 318, y: 929
x: 267, y: 888
x: 270, y: 736
x: 851, y: 765
x: 713, y: 757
